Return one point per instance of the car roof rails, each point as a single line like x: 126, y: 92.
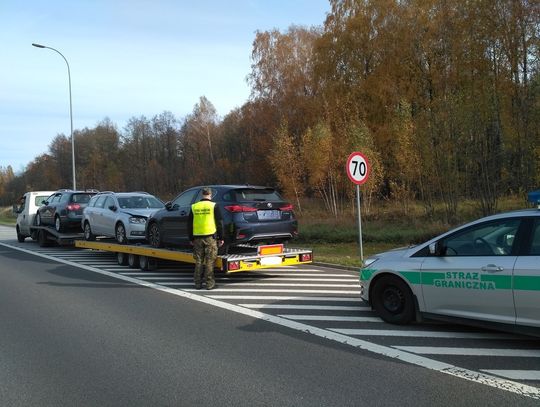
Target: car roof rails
x: 91, y: 190
x: 106, y: 192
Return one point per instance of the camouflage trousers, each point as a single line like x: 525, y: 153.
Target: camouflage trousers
x: 204, y: 252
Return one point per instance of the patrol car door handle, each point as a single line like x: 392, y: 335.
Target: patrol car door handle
x: 492, y: 268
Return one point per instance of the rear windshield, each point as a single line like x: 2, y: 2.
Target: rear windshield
x: 139, y: 202
x: 81, y: 198
x: 263, y: 195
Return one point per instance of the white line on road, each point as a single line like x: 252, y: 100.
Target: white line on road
x: 516, y: 374
x: 429, y: 350
x: 272, y: 290
x: 422, y: 334
x: 329, y: 318
x: 282, y: 298
x: 306, y: 307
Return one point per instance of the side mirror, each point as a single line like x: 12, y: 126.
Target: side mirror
x: 168, y: 205
x: 113, y: 208
x: 437, y: 249
x: 16, y: 210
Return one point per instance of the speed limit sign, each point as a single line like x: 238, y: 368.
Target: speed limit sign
x: 358, y: 168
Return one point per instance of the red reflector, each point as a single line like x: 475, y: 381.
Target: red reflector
x: 305, y: 257
x: 288, y: 207
x: 240, y: 208
x: 233, y: 265
x: 73, y: 207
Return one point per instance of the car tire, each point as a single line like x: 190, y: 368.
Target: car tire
x: 393, y: 300
x: 154, y: 236
x: 88, y: 235
x: 58, y: 224
x: 133, y: 261
x: 120, y: 233
x: 20, y: 238
x: 122, y: 259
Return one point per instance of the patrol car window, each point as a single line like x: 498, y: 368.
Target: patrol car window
x: 64, y: 198
x: 186, y: 198
x: 535, y: 239
x: 486, y: 239
x: 80, y: 198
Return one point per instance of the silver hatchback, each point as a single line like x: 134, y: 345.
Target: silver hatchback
x: 486, y: 273
x: 121, y: 215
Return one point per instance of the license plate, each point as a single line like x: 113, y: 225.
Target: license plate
x: 271, y: 261
x: 269, y: 215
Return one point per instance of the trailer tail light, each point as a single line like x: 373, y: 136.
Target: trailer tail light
x: 306, y: 257
x: 240, y: 208
x: 73, y: 207
x: 233, y: 265
x: 287, y: 207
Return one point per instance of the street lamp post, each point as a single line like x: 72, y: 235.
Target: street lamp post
x: 70, y: 112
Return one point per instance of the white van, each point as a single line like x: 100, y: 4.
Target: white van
x: 26, y: 211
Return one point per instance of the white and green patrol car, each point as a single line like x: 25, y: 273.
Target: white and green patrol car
x: 486, y: 272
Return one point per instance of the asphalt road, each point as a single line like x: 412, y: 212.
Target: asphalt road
x: 69, y: 336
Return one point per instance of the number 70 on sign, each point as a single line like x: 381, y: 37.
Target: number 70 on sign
x: 358, y: 168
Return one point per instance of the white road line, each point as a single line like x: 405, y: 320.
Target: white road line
x: 306, y: 307
x: 272, y: 290
x: 422, y: 334
x: 329, y: 318
x: 393, y: 353
x: 269, y: 284
x: 282, y: 298
x: 427, y: 350
x: 516, y: 374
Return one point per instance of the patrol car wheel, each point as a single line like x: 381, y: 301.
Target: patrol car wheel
x: 38, y: 219
x: 393, y: 300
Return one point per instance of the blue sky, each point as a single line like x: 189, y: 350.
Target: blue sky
x: 127, y: 59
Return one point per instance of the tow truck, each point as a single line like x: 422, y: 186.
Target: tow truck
x: 146, y: 257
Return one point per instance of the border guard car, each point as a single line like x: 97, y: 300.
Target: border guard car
x: 486, y: 273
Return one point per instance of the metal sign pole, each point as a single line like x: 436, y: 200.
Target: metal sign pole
x: 359, y: 224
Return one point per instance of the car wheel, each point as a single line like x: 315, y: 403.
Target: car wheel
x: 38, y: 219
x: 20, y: 237
x: 154, y: 235
x: 120, y: 233
x: 58, y: 224
x: 88, y: 235
x: 133, y: 261
x: 147, y: 263
x: 393, y: 300
x: 122, y: 259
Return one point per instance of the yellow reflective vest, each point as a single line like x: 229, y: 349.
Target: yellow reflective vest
x: 204, y: 223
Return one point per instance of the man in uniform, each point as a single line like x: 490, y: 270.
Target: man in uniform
x: 205, y: 233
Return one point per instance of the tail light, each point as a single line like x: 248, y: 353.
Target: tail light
x: 287, y: 207
x: 73, y: 207
x: 240, y: 208
x: 233, y: 265
x: 306, y: 257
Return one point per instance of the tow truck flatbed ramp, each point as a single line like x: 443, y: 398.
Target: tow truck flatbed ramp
x: 252, y: 258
